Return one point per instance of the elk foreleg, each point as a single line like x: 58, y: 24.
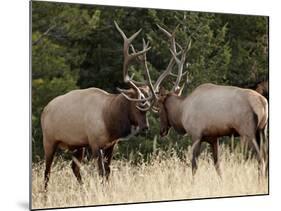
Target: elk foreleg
x: 101, y: 163
x: 215, y: 152
x: 99, y: 154
x: 108, y: 156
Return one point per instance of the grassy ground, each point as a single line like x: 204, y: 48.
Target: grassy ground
x: 164, y: 178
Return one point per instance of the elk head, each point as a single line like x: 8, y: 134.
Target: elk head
x: 141, y: 94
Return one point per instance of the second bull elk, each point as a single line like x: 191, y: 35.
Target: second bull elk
x: 210, y: 111
x: 92, y: 117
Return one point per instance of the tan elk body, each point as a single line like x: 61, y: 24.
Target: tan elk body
x: 89, y: 116
x: 212, y: 111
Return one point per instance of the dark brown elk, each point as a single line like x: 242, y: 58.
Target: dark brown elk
x: 261, y: 87
x: 94, y: 118
x: 210, y: 111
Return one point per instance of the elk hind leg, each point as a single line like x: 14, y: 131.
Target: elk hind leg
x: 263, y: 143
x: 259, y: 157
x: 263, y: 148
x: 195, y: 150
x: 75, y: 165
x: 49, y: 149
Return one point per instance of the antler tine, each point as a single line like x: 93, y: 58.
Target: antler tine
x: 164, y: 74
x: 128, y: 57
x: 164, y: 30
x: 168, y: 70
x: 175, y: 54
x: 133, y: 99
x: 142, y: 58
x: 181, y: 50
x: 185, y: 82
x: 171, y: 36
x: 147, y: 74
x: 153, y: 96
x: 129, y: 40
x: 189, y: 45
x: 174, y: 75
x: 180, y: 63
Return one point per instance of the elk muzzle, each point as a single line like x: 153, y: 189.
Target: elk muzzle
x: 144, y: 126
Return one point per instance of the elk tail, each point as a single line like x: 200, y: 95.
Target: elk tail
x: 260, y: 107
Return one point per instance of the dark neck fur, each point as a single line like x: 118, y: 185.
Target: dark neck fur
x: 117, y: 117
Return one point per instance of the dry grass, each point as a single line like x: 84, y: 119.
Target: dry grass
x: 164, y: 178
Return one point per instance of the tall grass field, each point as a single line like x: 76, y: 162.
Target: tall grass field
x: 164, y: 177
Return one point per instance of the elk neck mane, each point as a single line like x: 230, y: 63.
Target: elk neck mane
x: 173, y: 106
x: 117, y: 117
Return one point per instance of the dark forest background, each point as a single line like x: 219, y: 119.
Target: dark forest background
x: 77, y: 46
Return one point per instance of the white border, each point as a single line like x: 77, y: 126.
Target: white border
x: 14, y: 116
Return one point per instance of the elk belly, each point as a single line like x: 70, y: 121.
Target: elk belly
x: 217, y: 131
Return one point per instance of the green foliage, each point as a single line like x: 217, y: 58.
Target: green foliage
x: 77, y: 46
x: 248, y: 36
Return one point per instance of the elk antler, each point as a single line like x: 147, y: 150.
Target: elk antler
x: 169, y: 68
x: 128, y: 57
x: 180, y: 62
x: 142, y: 58
x: 155, y: 89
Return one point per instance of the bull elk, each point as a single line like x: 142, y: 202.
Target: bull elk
x: 92, y: 117
x: 210, y: 111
